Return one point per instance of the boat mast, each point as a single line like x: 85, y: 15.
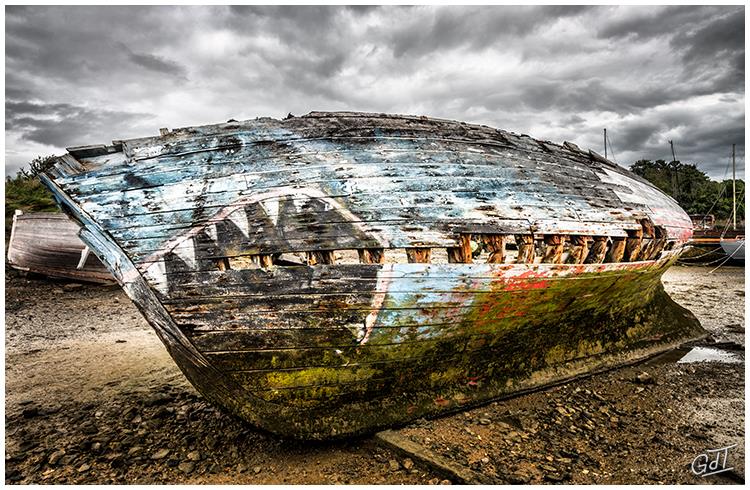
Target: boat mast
x: 605, y: 142
x: 674, y: 173
x: 734, y: 194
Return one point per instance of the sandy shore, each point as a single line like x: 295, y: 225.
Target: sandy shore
x: 93, y: 397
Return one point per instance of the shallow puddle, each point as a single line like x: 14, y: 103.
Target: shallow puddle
x: 708, y: 354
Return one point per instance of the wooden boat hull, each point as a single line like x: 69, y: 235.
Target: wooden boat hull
x: 48, y: 244
x: 328, y: 348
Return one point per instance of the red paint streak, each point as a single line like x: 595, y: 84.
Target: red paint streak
x: 442, y: 402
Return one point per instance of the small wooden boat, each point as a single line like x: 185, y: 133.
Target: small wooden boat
x: 336, y: 273
x: 48, y: 244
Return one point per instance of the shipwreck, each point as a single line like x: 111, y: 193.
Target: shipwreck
x: 48, y: 244
x: 335, y: 273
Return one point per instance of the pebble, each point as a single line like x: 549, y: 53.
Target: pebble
x: 157, y: 399
x: 160, y: 454
x: 645, y: 379
x: 186, y: 467
x: 84, y: 468
x: 484, y: 421
x: 133, y: 450
x: 408, y: 464
x: 56, y: 456
x: 519, y: 477
x: 72, y: 286
x: 394, y: 465
x: 161, y: 413
x: 553, y: 477
x: 257, y: 469
x: 194, y: 456
x: 30, y: 412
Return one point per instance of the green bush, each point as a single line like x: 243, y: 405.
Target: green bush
x: 27, y: 193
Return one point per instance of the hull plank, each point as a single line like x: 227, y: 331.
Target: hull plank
x: 338, y: 273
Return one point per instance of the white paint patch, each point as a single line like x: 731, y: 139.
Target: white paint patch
x: 211, y: 231
x: 385, y: 276
x: 271, y: 207
x: 239, y: 218
x: 186, y: 251
x: 156, y: 275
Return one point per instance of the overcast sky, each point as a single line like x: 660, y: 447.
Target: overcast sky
x: 87, y: 75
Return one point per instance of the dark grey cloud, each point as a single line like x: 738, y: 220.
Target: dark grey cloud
x: 156, y: 63
x: 475, y: 27
x: 721, y: 36
x: 640, y: 23
x: 89, y: 74
x: 63, y: 124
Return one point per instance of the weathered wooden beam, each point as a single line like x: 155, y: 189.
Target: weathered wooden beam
x: 657, y: 244
x: 648, y: 239
x: 462, y: 253
x: 579, y: 249
x: 525, y: 245
x: 371, y: 255
x: 496, y: 247
x: 553, y: 251
x: 447, y: 468
x: 633, y: 245
x: 617, y: 251
x: 598, y: 250
x: 418, y: 255
x: 320, y: 257
x: 223, y: 264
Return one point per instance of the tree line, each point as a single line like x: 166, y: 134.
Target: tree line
x: 695, y: 192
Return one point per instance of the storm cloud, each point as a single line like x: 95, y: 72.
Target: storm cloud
x: 87, y: 75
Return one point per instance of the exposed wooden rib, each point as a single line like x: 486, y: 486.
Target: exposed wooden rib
x: 554, y: 246
x: 496, y: 247
x: 525, y: 245
x: 579, y: 249
x: 633, y: 245
x: 418, y: 255
x: 323, y: 257
x: 598, y: 251
x: 462, y: 253
x: 617, y: 251
x: 371, y: 255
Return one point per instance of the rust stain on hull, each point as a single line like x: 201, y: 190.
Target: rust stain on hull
x: 338, y: 273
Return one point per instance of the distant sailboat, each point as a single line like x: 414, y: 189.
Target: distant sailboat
x: 733, y: 247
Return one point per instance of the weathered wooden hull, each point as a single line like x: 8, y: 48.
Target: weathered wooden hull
x: 48, y: 244
x: 564, y: 279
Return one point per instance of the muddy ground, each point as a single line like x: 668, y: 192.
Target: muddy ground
x: 93, y: 397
